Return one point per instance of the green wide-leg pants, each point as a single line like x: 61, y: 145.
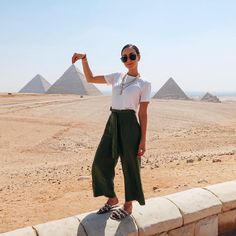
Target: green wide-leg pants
x: 121, y: 138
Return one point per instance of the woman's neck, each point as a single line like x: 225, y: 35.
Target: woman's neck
x: 133, y: 72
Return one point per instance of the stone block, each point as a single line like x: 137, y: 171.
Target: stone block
x: 101, y: 225
x: 207, y: 227
x: 157, y: 216
x: 226, y: 192
x: 67, y: 226
x: 27, y: 231
x: 186, y: 230
x: 227, y: 221
x: 162, y: 234
x: 196, y: 204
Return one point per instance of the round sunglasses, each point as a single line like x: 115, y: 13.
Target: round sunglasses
x: 132, y: 57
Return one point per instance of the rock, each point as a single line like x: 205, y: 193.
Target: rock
x: 190, y: 161
x: 202, y: 181
x: 176, y: 187
x: 216, y: 160
x: 155, y: 188
x: 83, y: 177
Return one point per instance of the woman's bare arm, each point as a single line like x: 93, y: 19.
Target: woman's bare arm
x: 142, y: 114
x: 100, y: 79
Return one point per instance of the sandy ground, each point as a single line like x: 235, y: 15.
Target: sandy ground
x: 47, y: 145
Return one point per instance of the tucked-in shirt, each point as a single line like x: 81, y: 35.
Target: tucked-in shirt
x: 138, y: 91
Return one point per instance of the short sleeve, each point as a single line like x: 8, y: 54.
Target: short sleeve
x: 112, y: 78
x: 146, y: 92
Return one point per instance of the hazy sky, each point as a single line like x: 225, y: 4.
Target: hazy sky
x: 193, y: 41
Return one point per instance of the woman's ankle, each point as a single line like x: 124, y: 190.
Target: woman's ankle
x: 128, y: 204
x: 112, y: 201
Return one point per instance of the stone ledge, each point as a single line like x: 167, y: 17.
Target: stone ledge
x: 178, y: 214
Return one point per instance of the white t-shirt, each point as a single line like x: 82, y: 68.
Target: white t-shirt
x: 136, y: 92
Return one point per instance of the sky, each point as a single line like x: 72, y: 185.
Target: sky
x: 192, y: 41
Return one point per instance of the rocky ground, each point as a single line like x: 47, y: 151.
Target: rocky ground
x: 47, y: 145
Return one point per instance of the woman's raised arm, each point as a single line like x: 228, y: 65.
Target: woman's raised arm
x: 100, y: 79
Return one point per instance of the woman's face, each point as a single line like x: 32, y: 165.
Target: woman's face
x: 127, y: 53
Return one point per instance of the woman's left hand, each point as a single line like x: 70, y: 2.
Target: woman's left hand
x: 141, y: 148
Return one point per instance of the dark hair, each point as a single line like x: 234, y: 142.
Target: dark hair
x: 131, y: 46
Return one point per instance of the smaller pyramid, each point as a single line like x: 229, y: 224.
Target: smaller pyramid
x: 171, y: 90
x: 37, y: 85
x: 210, y: 98
x: 73, y: 82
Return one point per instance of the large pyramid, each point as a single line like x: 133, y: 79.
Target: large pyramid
x: 73, y: 82
x: 37, y: 85
x: 210, y: 98
x: 171, y: 90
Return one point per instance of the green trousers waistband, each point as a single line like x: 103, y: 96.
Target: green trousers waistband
x: 122, y: 111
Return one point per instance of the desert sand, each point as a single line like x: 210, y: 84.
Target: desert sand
x: 47, y: 145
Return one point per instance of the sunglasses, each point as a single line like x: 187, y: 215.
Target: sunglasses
x: 132, y: 57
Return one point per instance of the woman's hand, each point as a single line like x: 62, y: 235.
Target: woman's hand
x: 77, y: 56
x: 141, y: 148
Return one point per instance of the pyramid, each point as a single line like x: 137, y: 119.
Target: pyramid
x: 171, y: 90
x: 73, y: 82
x: 210, y: 98
x: 37, y: 85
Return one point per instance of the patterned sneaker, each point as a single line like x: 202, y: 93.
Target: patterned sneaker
x: 106, y: 208
x: 119, y: 214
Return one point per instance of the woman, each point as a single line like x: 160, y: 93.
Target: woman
x: 123, y: 135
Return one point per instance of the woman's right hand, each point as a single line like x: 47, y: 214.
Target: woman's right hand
x: 77, y: 56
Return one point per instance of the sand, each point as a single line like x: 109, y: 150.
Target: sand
x: 47, y: 145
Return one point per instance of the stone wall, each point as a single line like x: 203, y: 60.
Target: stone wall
x: 208, y: 211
